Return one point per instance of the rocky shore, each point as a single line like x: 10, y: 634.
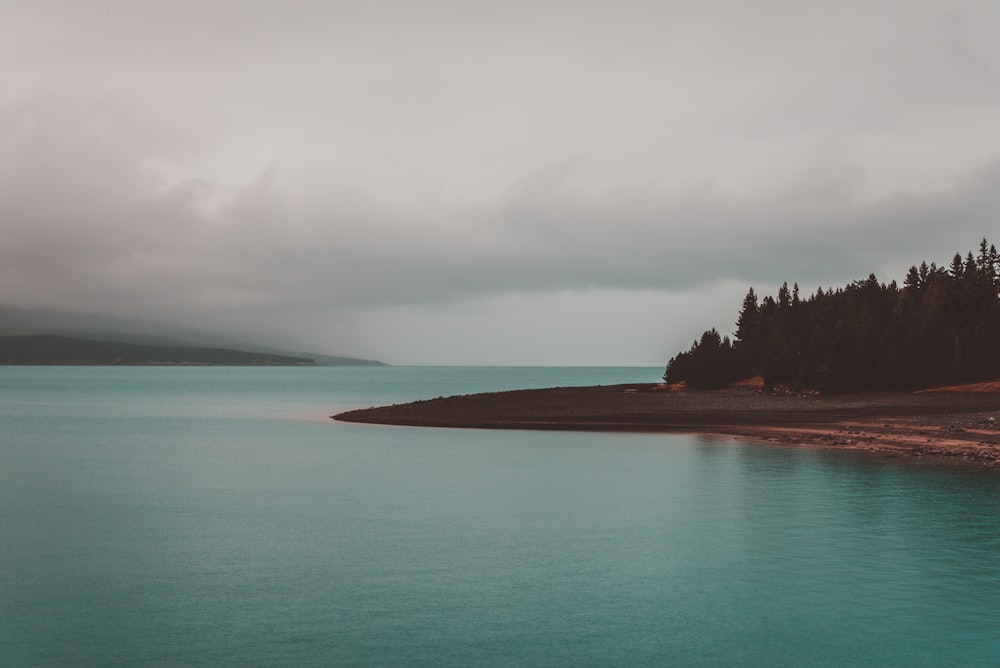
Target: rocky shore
x: 939, y: 427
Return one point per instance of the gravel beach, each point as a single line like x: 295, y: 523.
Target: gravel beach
x: 939, y: 427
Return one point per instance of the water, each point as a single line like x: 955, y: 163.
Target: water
x: 216, y: 516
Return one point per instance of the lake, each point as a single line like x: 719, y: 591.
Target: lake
x: 217, y: 516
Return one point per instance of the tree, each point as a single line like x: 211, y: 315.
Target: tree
x: 747, y: 337
x: 942, y: 325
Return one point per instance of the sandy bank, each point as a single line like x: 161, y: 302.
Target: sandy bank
x: 946, y: 427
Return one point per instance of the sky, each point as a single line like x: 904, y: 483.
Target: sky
x: 517, y: 182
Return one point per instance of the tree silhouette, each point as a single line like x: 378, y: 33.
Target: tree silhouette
x: 943, y: 325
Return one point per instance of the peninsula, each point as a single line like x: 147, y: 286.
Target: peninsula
x: 953, y: 425
x: 872, y: 366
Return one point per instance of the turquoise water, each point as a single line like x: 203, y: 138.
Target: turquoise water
x: 215, y: 516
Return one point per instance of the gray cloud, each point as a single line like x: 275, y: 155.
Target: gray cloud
x: 85, y: 217
x: 323, y: 164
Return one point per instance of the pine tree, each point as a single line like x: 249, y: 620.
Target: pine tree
x: 942, y: 325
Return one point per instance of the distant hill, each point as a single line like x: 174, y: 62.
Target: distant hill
x: 105, y: 328
x: 55, y: 349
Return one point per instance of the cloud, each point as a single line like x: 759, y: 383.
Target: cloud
x: 88, y: 223
x: 232, y: 164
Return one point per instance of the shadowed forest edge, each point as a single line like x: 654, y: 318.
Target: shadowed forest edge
x: 941, y: 326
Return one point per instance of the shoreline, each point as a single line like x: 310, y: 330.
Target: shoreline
x: 937, y: 427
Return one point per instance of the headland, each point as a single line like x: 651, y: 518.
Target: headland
x: 945, y: 426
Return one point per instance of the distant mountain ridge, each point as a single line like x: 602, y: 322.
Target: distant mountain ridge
x: 56, y: 349
x: 17, y: 322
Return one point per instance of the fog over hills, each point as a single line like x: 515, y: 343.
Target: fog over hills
x: 143, y: 332
x: 516, y: 183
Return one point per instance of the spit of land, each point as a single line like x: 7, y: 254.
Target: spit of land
x: 947, y: 425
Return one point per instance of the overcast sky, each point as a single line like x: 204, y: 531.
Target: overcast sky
x: 485, y: 182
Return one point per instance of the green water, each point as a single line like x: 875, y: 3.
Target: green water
x: 215, y: 516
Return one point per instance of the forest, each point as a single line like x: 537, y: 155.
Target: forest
x: 942, y: 326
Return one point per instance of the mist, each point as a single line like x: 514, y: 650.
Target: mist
x: 572, y: 183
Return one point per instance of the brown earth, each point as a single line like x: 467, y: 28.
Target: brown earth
x: 941, y: 427
x: 987, y: 387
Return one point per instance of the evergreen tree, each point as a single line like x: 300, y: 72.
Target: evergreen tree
x: 943, y: 325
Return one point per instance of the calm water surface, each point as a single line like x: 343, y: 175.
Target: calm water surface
x: 216, y: 516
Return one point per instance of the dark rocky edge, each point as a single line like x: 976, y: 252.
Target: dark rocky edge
x: 942, y: 426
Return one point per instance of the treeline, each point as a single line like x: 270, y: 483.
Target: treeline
x: 941, y: 326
